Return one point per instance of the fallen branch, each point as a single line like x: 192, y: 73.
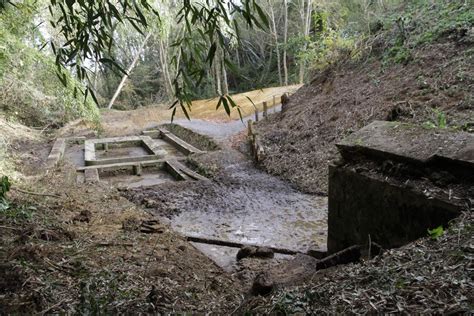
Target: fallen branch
x: 233, y: 244
x: 36, y: 193
x: 113, y: 244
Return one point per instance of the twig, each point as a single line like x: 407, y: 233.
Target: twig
x: 53, y: 306
x: 36, y: 193
x: 8, y: 227
x: 370, y: 247
x: 113, y: 244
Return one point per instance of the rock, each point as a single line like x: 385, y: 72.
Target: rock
x: 255, y: 252
x: 131, y: 224
x: 246, y: 251
x: 83, y: 216
x: 285, y: 99
x: 262, y: 285
x: 150, y: 203
x: 264, y: 252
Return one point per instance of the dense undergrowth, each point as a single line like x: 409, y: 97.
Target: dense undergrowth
x: 30, y: 91
x: 391, y: 35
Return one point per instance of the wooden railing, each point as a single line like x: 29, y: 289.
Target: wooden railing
x: 256, y: 147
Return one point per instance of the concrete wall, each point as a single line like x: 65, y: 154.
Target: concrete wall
x: 393, y: 216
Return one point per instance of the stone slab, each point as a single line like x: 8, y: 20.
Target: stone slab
x: 181, y: 172
x: 123, y: 165
x: 91, y: 175
x: 410, y: 143
x: 90, y: 154
x: 183, y: 146
x: 56, y: 153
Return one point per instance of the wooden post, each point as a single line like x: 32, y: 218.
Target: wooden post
x: 284, y: 102
x: 256, y: 114
x: 265, y: 110
x: 250, y: 127
x: 137, y: 169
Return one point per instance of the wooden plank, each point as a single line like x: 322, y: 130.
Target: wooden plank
x: 89, y: 151
x: 182, y: 172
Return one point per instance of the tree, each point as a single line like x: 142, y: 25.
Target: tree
x: 305, y: 14
x: 275, y: 37
x: 87, y: 31
x: 285, y: 41
x: 130, y: 68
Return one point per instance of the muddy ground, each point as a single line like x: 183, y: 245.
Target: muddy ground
x: 240, y: 204
x: 86, y: 249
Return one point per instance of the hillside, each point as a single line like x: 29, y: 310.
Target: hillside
x: 433, y: 87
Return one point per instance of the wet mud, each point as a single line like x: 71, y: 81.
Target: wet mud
x: 241, y: 204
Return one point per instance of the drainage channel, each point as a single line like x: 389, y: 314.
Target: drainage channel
x: 242, y: 206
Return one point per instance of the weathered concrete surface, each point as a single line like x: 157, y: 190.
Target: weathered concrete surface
x: 397, y: 180
x: 360, y: 205
x: 91, y: 175
x: 124, y: 165
x: 91, y: 158
x: 410, y: 143
x: 56, y: 153
x: 181, y: 172
x: 178, y: 142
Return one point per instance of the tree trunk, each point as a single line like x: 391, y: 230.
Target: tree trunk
x: 285, y: 41
x: 275, y: 37
x: 225, y: 84
x: 129, y: 70
x: 306, y: 26
x: 217, y: 75
x: 165, y: 69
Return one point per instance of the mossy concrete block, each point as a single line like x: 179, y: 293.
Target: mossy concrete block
x: 410, y: 143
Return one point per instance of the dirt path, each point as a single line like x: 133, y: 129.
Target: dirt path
x: 221, y: 131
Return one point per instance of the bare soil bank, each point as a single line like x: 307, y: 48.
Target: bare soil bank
x: 437, y: 83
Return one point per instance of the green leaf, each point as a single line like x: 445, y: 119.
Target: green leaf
x: 436, y: 232
x: 4, y: 186
x: 226, y: 105
x: 262, y: 15
x: 211, y: 54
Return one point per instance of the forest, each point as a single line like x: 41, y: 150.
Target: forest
x: 236, y: 156
x: 295, y: 40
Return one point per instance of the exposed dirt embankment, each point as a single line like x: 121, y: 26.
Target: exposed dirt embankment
x: 436, y: 84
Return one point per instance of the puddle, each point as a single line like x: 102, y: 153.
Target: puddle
x: 114, y: 152
x: 130, y: 181
x: 268, y: 223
